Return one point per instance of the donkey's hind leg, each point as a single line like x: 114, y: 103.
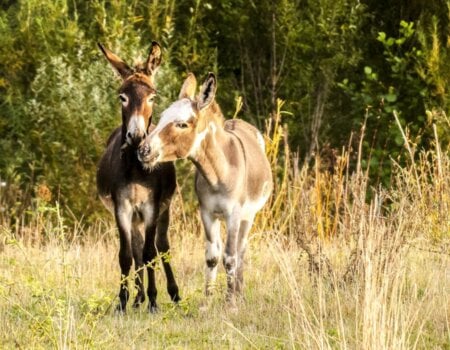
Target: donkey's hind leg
x: 138, y: 248
x: 162, y: 244
x: 244, y: 229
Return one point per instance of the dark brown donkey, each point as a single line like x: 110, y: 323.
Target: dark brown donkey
x: 139, y: 199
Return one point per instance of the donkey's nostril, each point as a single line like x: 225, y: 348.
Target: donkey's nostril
x: 135, y: 139
x: 146, y: 149
x: 143, y: 149
x: 144, y: 152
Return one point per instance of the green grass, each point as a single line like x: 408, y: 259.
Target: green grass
x: 62, y: 295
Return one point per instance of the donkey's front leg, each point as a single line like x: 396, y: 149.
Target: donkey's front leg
x: 150, y: 261
x: 137, y: 244
x: 162, y: 243
x: 230, y: 258
x: 123, y: 215
x: 213, y: 248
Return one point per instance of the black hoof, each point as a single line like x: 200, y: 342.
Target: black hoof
x: 172, y: 289
x: 140, y: 299
x: 176, y: 298
x: 120, y: 309
x: 153, y: 308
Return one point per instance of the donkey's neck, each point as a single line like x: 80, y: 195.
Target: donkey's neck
x: 129, y: 160
x: 212, y: 157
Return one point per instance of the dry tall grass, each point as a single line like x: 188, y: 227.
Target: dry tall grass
x: 332, y: 263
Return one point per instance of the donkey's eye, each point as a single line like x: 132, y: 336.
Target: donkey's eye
x: 182, y: 125
x: 151, y: 99
x: 123, y: 98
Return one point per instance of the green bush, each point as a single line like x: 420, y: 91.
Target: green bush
x: 331, y: 61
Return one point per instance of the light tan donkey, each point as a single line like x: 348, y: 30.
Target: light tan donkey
x: 233, y: 178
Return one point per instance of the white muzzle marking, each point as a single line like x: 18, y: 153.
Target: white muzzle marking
x: 156, y: 146
x: 136, y: 125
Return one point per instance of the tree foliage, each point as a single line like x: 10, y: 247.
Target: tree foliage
x: 338, y: 64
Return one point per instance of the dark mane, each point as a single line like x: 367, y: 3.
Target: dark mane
x: 113, y: 135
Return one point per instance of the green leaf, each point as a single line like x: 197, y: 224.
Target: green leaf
x: 374, y: 162
x: 391, y: 97
x: 403, y: 24
x: 390, y: 41
x: 388, y: 109
x: 399, y: 140
x: 381, y: 36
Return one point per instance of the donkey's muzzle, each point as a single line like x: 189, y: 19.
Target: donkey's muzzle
x: 145, y: 155
x: 136, y: 138
x: 144, y: 152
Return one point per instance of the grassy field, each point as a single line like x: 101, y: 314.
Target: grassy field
x: 332, y: 264
x: 62, y: 295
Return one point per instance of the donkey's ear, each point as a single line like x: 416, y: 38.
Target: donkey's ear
x: 120, y: 66
x: 207, y: 92
x: 154, y: 59
x: 189, y: 87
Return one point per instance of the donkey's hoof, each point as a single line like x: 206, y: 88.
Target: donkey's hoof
x: 176, y: 299
x: 153, y: 309
x: 138, y: 301
x: 231, y: 304
x: 120, y: 309
x: 205, y: 305
x: 137, y: 304
x: 232, y: 308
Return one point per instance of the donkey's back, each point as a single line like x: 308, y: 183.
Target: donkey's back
x: 258, y: 175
